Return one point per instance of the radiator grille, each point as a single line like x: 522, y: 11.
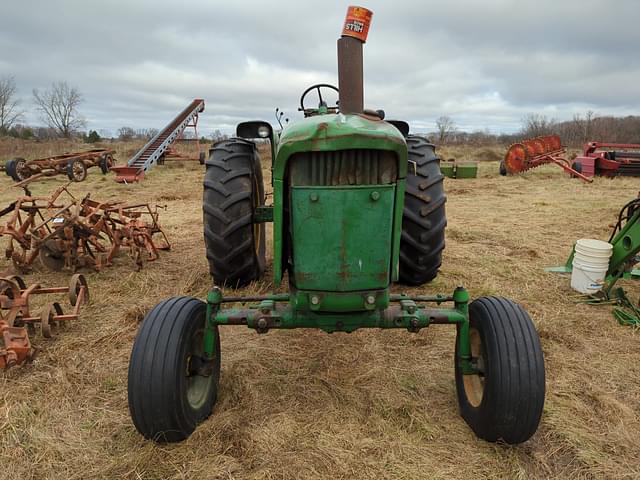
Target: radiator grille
x: 343, y: 167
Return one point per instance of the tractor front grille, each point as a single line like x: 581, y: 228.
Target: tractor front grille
x: 343, y: 167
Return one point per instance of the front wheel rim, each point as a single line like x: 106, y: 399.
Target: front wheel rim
x: 197, y: 386
x: 474, y: 383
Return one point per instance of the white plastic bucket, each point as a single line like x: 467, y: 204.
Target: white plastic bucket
x: 590, y: 265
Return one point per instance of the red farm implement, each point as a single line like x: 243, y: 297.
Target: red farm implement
x: 538, y: 151
x: 609, y: 159
x: 17, y: 319
x: 160, y: 147
x: 73, y: 165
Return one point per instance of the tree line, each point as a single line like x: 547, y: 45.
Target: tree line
x: 582, y: 128
x: 58, y: 108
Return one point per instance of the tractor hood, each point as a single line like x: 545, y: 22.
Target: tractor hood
x: 339, y: 132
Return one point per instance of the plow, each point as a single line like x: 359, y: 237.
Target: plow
x: 535, y: 152
x: 66, y: 232
x: 17, y: 320
x: 73, y: 165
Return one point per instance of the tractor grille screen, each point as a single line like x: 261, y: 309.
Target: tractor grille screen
x: 343, y: 167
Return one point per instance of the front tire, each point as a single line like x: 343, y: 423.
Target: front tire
x: 233, y: 188
x: 424, y: 218
x: 171, y: 388
x: 504, y: 400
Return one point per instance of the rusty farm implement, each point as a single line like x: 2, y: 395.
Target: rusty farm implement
x: 538, y: 151
x: 73, y: 165
x: 17, y: 319
x: 66, y: 232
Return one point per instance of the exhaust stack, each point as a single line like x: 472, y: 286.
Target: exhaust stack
x: 350, y: 64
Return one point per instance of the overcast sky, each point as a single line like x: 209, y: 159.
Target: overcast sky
x: 486, y: 63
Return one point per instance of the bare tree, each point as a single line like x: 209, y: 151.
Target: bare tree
x: 126, y: 133
x: 535, y: 125
x: 59, y: 108
x: 9, y: 111
x: 445, y: 127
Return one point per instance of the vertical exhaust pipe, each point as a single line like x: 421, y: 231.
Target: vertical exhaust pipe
x: 350, y: 64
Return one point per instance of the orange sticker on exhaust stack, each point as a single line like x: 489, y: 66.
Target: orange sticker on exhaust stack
x: 357, y: 23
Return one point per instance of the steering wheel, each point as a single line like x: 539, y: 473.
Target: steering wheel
x: 317, y: 87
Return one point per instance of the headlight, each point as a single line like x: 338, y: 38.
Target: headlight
x: 263, y: 131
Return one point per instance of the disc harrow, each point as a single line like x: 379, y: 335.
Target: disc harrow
x: 65, y: 232
x: 18, y: 322
x: 538, y: 151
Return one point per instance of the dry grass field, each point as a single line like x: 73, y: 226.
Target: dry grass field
x: 366, y: 405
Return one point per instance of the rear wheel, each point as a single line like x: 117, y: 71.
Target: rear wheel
x: 233, y: 189
x: 76, y: 170
x: 172, y: 387
x: 105, y: 163
x: 424, y: 218
x: 504, y: 400
x: 17, y: 169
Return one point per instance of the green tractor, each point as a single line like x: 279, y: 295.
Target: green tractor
x: 358, y: 204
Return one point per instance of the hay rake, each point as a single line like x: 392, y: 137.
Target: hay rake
x: 538, y: 151
x: 17, y: 319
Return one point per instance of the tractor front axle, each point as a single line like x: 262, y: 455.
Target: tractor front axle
x: 265, y: 314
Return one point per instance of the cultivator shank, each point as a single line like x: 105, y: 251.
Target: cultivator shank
x: 69, y: 233
x: 17, y: 319
x: 538, y: 151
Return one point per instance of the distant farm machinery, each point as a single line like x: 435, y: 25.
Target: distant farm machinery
x: 67, y: 233
x: 598, y: 158
x: 538, y: 151
x: 17, y: 319
x: 73, y: 165
x: 609, y: 159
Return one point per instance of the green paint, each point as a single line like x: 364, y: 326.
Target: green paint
x: 329, y: 133
x: 298, y: 314
x: 342, y: 237
x: 263, y: 214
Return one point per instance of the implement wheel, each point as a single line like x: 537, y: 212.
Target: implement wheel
x: 172, y: 388
x: 105, y: 163
x: 76, y: 170
x: 504, y: 400
x: 17, y: 169
x: 233, y: 188
x: 424, y: 218
x: 50, y: 256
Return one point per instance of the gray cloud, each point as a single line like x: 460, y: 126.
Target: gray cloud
x: 485, y: 64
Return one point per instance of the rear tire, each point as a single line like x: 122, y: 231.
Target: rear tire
x: 424, y: 218
x: 105, y: 163
x: 15, y: 168
x: 168, y: 398
x: 505, y: 399
x: 233, y: 188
